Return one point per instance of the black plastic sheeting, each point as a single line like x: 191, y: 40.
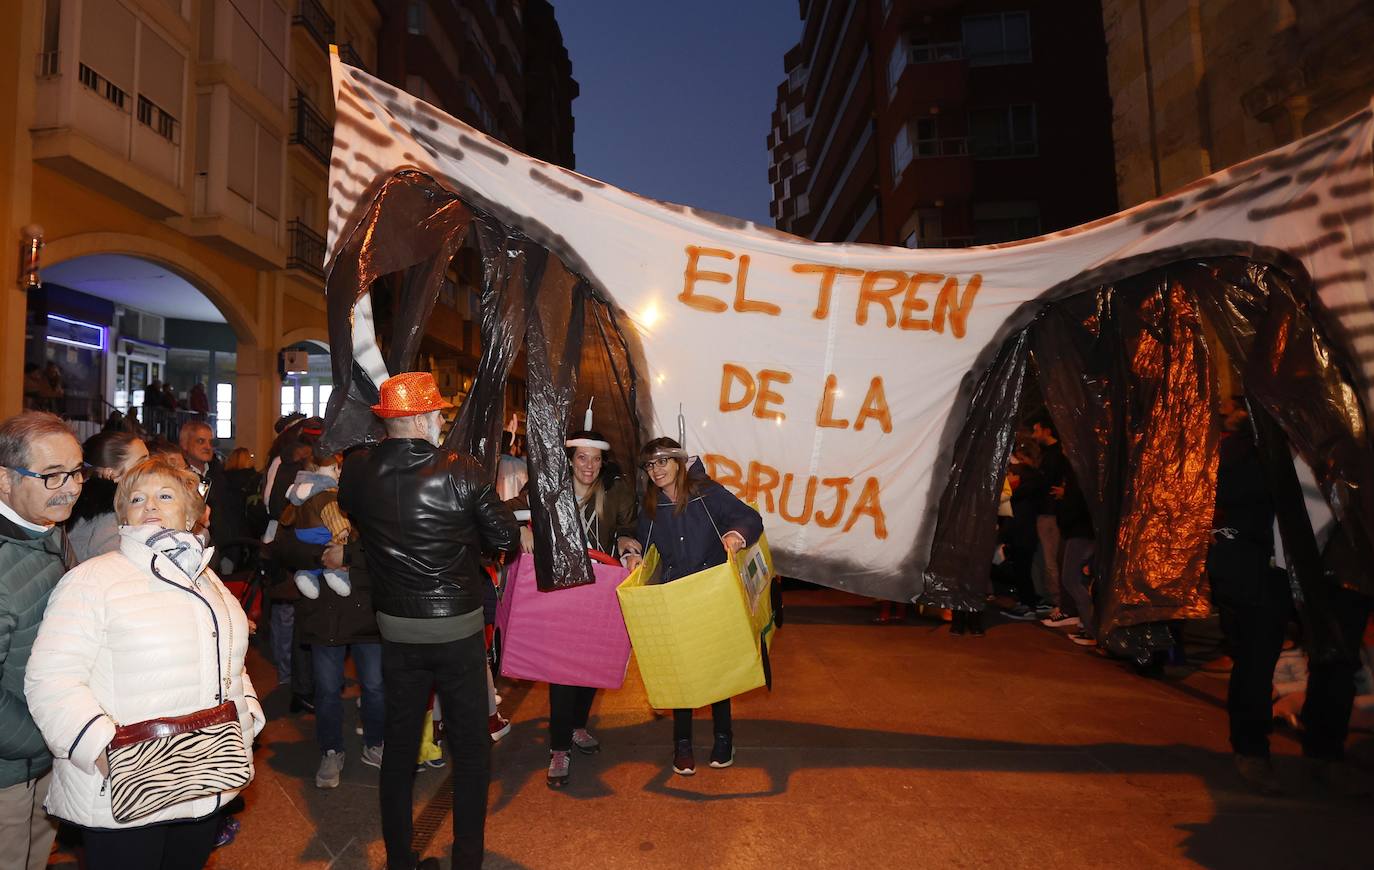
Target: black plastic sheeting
x: 531, y: 307
x: 1130, y: 381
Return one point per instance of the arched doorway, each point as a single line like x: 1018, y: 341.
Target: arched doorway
x: 307, y: 377
x: 134, y: 335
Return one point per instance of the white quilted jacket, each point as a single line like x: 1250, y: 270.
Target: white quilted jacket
x: 127, y: 636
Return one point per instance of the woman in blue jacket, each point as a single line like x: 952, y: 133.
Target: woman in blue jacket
x: 696, y: 524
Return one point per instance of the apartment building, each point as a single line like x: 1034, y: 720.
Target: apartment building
x: 175, y: 155
x: 931, y: 123
x: 1200, y: 86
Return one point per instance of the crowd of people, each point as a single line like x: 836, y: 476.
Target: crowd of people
x: 127, y: 711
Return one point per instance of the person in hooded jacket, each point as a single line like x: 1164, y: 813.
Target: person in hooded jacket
x: 93, y: 529
x: 695, y: 523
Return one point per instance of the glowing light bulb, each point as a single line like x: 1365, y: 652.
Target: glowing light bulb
x: 650, y: 315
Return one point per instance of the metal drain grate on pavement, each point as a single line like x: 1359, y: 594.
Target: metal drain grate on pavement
x: 432, y: 816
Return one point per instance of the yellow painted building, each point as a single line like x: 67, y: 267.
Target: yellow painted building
x: 1199, y: 85
x: 184, y: 135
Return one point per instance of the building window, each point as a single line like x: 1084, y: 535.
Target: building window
x: 896, y: 63
x: 1000, y: 38
x: 415, y: 18
x: 796, y: 120
x: 901, y: 152
x: 995, y: 222
x: 799, y: 164
x: 925, y: 137
x: 487, y: 60
x: 224, y: 410
x: 1003, y: 131
x: 104, y: 87
x: 155, y: 117
x: 929, y: 230
x: 803, y: 206
x: 796, y: 79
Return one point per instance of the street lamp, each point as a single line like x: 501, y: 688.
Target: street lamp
x: 30, y: 247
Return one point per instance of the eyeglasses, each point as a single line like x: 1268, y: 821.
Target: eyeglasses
x: 58, y: 479
x: 659, y: 462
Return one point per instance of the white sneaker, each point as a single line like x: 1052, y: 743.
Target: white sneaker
x: 337, y: 580
x: 331, y: 765
x: 372, y: 755
x: 308, y: 584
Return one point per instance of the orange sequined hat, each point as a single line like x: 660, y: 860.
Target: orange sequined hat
x: 408, y: 394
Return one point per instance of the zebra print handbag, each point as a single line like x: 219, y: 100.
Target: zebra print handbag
x: 160, y: 762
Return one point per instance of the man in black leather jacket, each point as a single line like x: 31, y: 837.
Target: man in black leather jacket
x: 425, y: 514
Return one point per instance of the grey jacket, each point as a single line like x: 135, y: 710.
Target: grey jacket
x: 29, y: 569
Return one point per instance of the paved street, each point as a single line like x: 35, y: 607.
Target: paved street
x: 882, y: 746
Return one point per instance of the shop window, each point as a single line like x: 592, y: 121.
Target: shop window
x: 224, y: 410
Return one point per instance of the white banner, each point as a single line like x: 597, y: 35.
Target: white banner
x: 823, y: 381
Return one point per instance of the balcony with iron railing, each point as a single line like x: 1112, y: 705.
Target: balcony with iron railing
x: 49, y: 64
x: 307, y: 249
x: 310, y: 129
x: 311, y: 15
x: 349, y: 55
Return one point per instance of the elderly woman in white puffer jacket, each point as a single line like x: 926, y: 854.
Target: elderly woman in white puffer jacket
x: 145, y: 632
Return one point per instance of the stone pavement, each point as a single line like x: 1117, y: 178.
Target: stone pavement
x: 882, y: 746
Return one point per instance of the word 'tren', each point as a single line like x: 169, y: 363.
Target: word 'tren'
x: 896, y: 293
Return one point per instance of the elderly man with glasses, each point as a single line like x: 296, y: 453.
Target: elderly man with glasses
x: 41, y: 474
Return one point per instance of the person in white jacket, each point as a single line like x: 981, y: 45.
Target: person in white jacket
x: 145, y: 632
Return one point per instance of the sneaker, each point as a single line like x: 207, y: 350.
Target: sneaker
x: 585, y: 742
x: 436, y: 763
x: 684, y: 763
x: 1082, y: 638
x: 1258, y: 774
x: 559, y: 763
x: 1043, y: 608
x: 498, y: 726
x: 308, y: 584
x: 331, y: 765
x: 228, y: 830
x: 1058, y: 619
x: 1020, y: 612
x: 723, y: 752
x: 372, y: 755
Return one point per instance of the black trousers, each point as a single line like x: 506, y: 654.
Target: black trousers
x: 720, y: 718
x: 168, y: 846
x: 1254, y: 619
x: 1331, y: 685
x: 455, y: 671
x: 569, y: 707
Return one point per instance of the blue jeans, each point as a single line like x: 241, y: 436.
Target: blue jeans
x: 283, y: 618
x: 1077, y: 553
x: 329, y: 679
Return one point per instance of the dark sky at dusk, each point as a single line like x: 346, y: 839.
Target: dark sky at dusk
x: 676, y: 97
